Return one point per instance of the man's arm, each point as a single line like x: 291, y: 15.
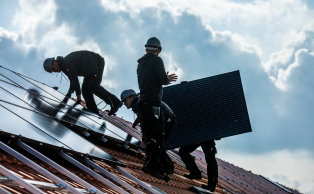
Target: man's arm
x: 74, y: 82
x: 136, y: 122
x: 163, y: 77
x: 160, y: 71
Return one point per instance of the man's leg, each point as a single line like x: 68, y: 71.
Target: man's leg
x: 169, y: 123
x: 209, y: 150
x: 102, y: 93
x: 189, y: 162
x: 151, y: 127
x: 88, y: 95
x: 166, y: 162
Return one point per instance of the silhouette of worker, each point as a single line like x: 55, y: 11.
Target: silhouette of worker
x: 130, y: 99
x: 91, y: 66
x: 151, y: 75
x: 209, y: 150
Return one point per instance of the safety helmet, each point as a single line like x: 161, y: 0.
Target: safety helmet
x: 127, y: 93
x: 153, y: 44
x: 48, y: 64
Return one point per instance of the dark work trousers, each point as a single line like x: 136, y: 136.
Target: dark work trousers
x: 169, y: 123
x: 209, y: 150
x: 167, y: 164
x: 91, y: 86
x: 153, y: 131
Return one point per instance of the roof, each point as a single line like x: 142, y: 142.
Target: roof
x: 31, y: 167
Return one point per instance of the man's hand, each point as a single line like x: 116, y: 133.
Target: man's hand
x: 78, y: 99
x: 133, y: 126
x: 172, y: 77
x: 143, y: 144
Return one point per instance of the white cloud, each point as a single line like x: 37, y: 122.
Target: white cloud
x: 272, y: 21
x: 34, y: 18
x: 7, y: 34
x: 282, y: 64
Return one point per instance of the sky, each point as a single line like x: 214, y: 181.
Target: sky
x: 271, y: 42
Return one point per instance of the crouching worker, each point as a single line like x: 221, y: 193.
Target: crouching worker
x: 209, y: 150
x: 130, y: 99
x: 91, y: 66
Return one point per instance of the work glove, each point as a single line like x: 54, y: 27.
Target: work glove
x: 133, y: 126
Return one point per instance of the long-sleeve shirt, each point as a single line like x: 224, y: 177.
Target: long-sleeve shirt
x: 151, y: 76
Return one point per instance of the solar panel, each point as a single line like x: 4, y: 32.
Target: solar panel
x: 43, y: 124
x: 37, y: 123
x: 207, y: 109
x: 90, y: 119
x: 26, y: 129
x: 39, y: 103
x: 54, y: 104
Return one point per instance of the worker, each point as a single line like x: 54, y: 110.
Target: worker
x: 130, y: 98
x: 91, y: 66
x: 209, y: 150
x: 151, y: 76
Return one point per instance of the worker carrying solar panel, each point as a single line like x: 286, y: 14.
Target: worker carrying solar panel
x: 130, y: 98
x: 91, y: 66
x: 210, y: 151
x: 151, y: 76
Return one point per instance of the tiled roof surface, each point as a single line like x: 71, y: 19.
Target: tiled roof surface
x: 232, y: 179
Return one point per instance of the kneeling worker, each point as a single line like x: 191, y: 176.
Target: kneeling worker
x: 130, y: 99
x: 91, y: 66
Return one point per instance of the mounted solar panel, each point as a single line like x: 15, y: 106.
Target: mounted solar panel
x: 29, y: 132
x: 32, y: 98
x: 90, y: 119
x: 207, y: 109
x: 53, y: 103
x: 34, y: 125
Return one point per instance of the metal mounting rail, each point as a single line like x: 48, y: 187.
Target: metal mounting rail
x: 135, y: 133
x: 144, y: 185
x: 5, y: 181
x: 19, y: 181
x: 38, y: 168
x: 89, y: 187
x: 2, y: 190
x: 109, y: 175
x: 90, y: 172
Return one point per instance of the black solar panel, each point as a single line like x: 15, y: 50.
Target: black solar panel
x: 24, y: 112
x: 41, y: 128
x: 89, y: 119
x: 53, y: 103
x: 207, y: 109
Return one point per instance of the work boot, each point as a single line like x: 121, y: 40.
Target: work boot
x: 115, y: 108
x: 193, y: 176
x: 166, y: 178
x: 209, y: 187
x: 162, y: 172
x: 153, y: 171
